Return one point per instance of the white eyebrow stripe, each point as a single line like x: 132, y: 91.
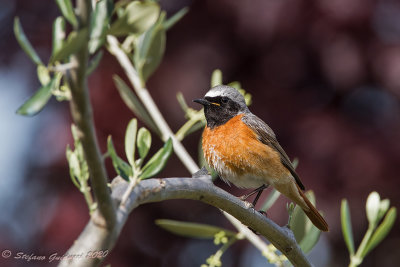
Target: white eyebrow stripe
x: 214, y: 93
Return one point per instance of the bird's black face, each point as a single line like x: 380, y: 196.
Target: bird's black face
x: 219, y: 109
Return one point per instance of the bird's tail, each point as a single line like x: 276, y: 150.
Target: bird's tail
x: 313, y: 214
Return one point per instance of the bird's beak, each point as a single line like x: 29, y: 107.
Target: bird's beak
x: 202, y: 101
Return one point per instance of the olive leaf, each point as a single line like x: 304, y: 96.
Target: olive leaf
x: 24, y: 42
x: 94, y: 63
x: 74, y: 42
x: 121, y: 167
x: 382, y: 231
x: 58, y: 34
x: 43, y: 74
x: 39, y: 100
x: 134, y: 104
x: 130, y: 141
x: 158, y: 161
x: 175, y: 18
x: 136, y: 18
x: 68, y: 11
x: 346, y: 226
x: 149, y: 49
x: 189, y: 229
x: 216, y: 77
x: 143, y: 142
x: 99, y: 24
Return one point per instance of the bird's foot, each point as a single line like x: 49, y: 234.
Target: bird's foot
x: 244, y: 197
x: 263, y: 213
x: 254, y: 231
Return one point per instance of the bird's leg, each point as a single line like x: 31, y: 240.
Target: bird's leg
x: 257, y: 197
x: 255, y: 202
x: 258, y: 191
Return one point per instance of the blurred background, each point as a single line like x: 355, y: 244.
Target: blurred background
x: 325, y: 75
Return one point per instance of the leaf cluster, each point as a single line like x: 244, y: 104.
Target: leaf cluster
x: 141, y: 22
x: 135, y: 168
x: 376, y: 210
x: 78, y: 168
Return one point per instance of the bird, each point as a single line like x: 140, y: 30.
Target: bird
x: 244, y: 150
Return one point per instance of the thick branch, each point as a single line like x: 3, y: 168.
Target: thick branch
x: 154, y: 190
x: 81, y: 111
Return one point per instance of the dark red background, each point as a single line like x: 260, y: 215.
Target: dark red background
x: 325, y: 75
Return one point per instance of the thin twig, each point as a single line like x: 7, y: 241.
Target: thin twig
x: 132, y: 183
x: 63, y: 67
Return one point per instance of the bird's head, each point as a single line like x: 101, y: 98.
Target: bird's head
x: 222, y: 103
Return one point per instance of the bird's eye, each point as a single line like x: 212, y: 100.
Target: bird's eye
x: 224, y: 100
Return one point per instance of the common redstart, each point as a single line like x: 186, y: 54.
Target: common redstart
x: 244, y: 150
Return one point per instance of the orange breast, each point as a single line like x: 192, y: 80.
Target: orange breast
x: 235, y: 152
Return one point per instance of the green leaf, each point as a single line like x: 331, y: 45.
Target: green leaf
x: 24, y: 42
x: 134, y: 104
x: 121, y: 167
x: 235, y: 85
x: 130, y: 141
x: 247, y: 96
x: 310, y: 239
x: 58, y: 34
x: 158, y: 161
x: 73, y: 166
x: 295, y: 163
x: 136, y: 18
x: 238, y: 86
x: 119, y: 6
x: 175, y: 18
x: 94, y: 63
x: 310, y: 232
x: 216, y: 78
x: 189, y: 229
x: 381, y: 232
x: 99, y: 24
x: 149, y: 50
x: 75, y: 134
x: 43, y: 74
x: 346, y: 226
x: 298, y: 223
x: 82, y: 172
x: 383, y: 208
x: 68, y: 11
x: 75, y: 41
x: 372, y: 207
x: 37, y: 102
x: 143, y: 142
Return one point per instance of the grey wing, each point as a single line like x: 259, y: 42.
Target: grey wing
x: 267, y: 136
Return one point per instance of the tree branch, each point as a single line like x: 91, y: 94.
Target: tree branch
x: 95, y: 238
x: 81, y: 111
